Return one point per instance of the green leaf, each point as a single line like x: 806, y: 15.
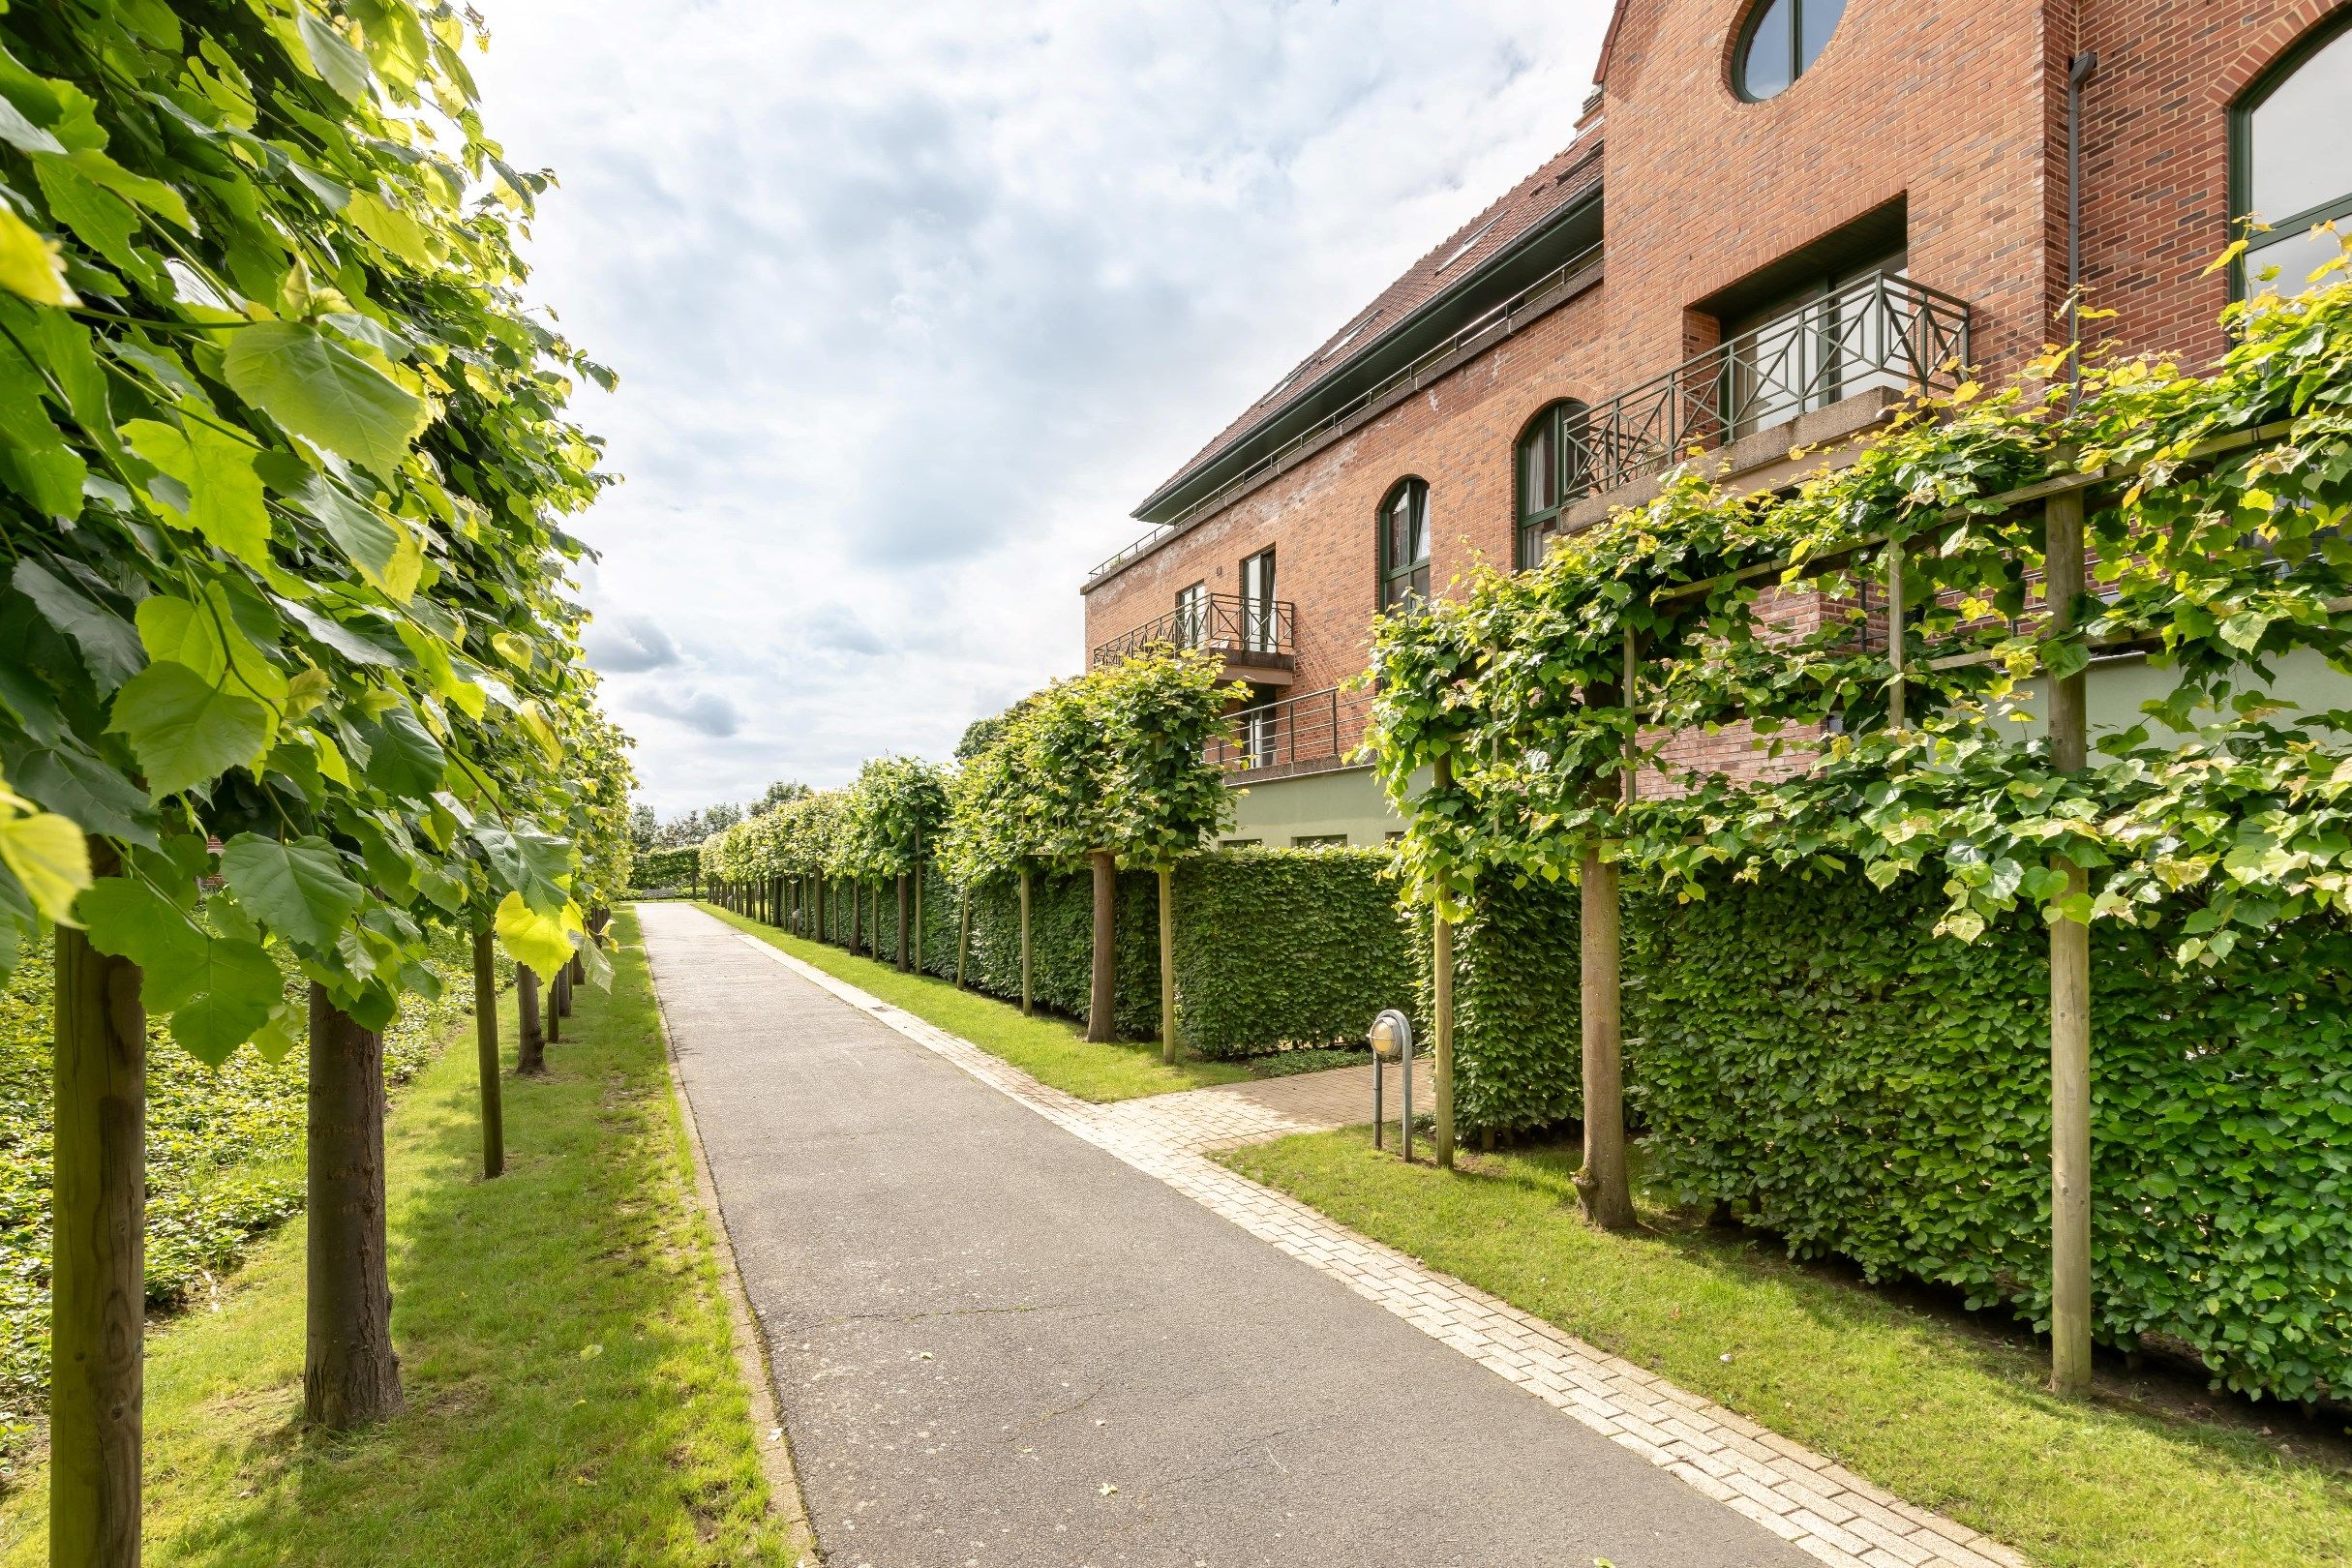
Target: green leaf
x: 70, y: 781
x: 403, y: 759
x: 109, y: 645
x: 31, y: 265
x: 219, y: 990
x: 532, y: 938
x: 323, y: 392
x: 22, y: 134
x: 50, y: 857
x: 186, y: 731
x: 217, y: 470
x: 383, y: 548
x: 339, y: 65
x: 297, y: 889
x: 394, y: 230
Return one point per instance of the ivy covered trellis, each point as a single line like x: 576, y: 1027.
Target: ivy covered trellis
x: 1880, y: 628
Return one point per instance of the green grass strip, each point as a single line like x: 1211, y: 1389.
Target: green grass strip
x: 1051, y: 1050
x: 573, y: 1395
x: 1946, y: 1416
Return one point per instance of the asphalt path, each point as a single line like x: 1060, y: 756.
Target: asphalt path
x: 996, y: 1344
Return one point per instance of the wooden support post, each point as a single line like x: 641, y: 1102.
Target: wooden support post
x: 1103, y: 994
x: 905, y: 961
x: 856, y: 914
x: 97, y: 1289
x: 1168, y: 966
x: 2069, y: 993
x: 963, y: 935
x: 1441, y: 1032
x: 1603, y: 1187
x: 1898, y: 689
x: 1028, y: 998
x: 486, y: 1054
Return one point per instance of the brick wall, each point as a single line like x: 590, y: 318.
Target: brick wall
x: 1956, y: 107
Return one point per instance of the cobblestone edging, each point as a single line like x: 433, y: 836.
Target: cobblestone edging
x: 1825, y: 1510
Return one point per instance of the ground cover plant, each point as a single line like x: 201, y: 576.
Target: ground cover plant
x: 1941, y: 1411
x: 566, y: 1406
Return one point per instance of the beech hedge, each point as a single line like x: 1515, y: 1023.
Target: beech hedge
x: 665, y: 870
x: 1813, y: 1055
x: 1518, y: 1040
x: 1279, y: 948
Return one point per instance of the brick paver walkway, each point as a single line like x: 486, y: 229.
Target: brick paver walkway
x: 1825, y: 1510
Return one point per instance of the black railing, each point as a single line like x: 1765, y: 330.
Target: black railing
x: 1256, y: 632
x: 1325, y: 727
x: 1531, y: 301
x: 1879, y: 331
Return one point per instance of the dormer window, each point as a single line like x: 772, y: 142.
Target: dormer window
x: 1780, y: 43
x: 1350, y: 335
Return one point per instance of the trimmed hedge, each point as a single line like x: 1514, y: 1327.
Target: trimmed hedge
x: 1814, y: 1056
x: 1519, y: 1045
x: 1280, y: 947
x: 1061, y: 936
x: 665, y: 870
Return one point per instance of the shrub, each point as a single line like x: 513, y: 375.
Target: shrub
x: 1518, y: 1046
x: 1812, y: 1054
x: 1287, y: 947
x: 665, y: 871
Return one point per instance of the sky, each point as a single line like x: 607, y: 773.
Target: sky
x: 912, y: 303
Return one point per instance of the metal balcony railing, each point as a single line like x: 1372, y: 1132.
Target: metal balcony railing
x: 1325, y: 727
x: 1878, y: 331
x: 1256, y: 632
x: 1500, y: 322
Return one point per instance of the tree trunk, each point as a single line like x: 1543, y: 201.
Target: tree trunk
x: 857, y: 914
x: 1601, y: 1186
x: 1168, y: 966
x: 963, y: 935
x: 1028, y: 998
x: 918, y: 905
x: 485, y: 1051
x: 350, y: 1374
x: 551, y: 1010
x: 1102, y: 999
x: 98, y: 1288
x: 579, y: 972
x: 903, y: 964
x: 530, y: 1043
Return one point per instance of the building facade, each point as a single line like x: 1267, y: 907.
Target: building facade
x: 1777, y: 217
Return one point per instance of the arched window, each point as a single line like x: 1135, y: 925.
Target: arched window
x: 1404, y: 544
x: 2289, y: 167
x: 1555, y: 467
x: 1780, y: 43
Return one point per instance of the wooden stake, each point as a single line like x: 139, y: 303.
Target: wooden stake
x: 1442, y: 1004
x: 1897, y: 692
x: 98, y: 1288
x: 2069, y: 994
x: 1168, y: 966
x: 1028, y: 999
x: 1102, y: 996
x: 486, y: 1055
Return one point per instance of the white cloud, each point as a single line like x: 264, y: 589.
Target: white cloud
x: 912, y: 303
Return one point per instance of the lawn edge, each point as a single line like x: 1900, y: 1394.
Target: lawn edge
x: 786, y: 1502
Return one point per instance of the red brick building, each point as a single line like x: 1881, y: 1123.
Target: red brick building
x: 1777, y: 216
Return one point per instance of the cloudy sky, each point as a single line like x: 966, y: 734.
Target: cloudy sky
x: 912, y: 302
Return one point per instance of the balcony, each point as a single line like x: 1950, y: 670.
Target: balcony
x: 1312, y: 733
x: 1257, y: 637
x: 1881, y: 334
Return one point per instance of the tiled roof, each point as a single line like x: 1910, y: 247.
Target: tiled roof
x: 1564, y: 179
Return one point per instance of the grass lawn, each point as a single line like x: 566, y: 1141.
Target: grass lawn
x: 573, y: 1396
x: 1947, y: 1415
x: 1051, y: 1050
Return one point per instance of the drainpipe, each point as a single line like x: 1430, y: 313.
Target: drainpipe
x: 2078, y: 71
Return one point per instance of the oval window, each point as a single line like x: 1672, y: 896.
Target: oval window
x: 1782, y: 39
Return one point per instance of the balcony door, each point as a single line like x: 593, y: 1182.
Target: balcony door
x: 1192, y: 616
x: 1837, y: 337
x: 1259, y: 634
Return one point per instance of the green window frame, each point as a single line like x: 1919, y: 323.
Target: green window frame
x: 2328, y: 51
x: 1403, y: 531
x: 1553, y: 467
x: 1779, y: 42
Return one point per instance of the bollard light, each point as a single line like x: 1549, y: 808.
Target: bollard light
x: 1391, y: 1037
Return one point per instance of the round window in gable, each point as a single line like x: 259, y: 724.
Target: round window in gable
x: 1780, y: 43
